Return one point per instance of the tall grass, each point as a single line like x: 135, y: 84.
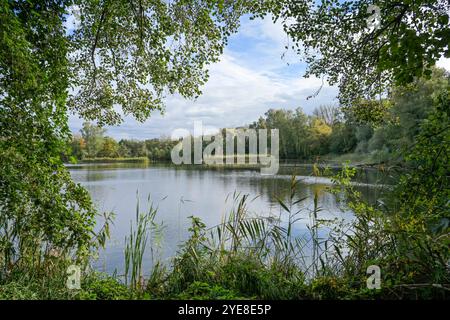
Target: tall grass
x: 265, y: 257
x: 254, y: 255
x: 144, y: 229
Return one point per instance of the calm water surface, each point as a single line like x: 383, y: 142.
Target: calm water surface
x: 208, y: 194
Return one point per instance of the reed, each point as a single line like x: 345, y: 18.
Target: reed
x: 143, y: 229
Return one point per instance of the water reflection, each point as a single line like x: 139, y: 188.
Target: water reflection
x: 183, y: 192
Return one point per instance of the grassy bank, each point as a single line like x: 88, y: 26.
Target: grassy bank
x: 115, y: 160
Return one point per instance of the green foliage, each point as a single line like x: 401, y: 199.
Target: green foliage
x: 204, y: 291
x: 165, y: 46
x: 110, y: 148
x: 368, y: 112
x: 145, y: 229
x: 92, y: 145
x: 78, y: 147
x: 260, y: 257
x: 41, y: 207
x: 422, y: 198
x: 117, y: 55
x: 381, y: 129
x: 335, y: 40
x: 23, y: 285
x: 44, y: 281
x: 160, y: 149
x: 132, y: 148
x: 93, y: 138
x: 342, y: 140
x: 103, y: 287
x: 409, y: 235
x: 328, y: 288
x: 301, y: 137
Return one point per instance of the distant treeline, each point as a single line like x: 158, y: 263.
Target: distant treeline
x: 92, y: 142
x: 376, y: 129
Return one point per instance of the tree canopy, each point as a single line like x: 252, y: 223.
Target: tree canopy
x: 336, y: 40
x: 131, y: 53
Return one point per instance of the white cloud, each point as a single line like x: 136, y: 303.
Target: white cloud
x: 444, y: 63
x: 234, y: 96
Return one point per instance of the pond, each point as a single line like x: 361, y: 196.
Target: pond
x: 180, y: 192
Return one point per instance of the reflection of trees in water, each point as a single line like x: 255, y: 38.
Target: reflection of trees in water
x: 367, y: 175
x: 95, y: 175
x: 279, y: 187
x: 114, y: 188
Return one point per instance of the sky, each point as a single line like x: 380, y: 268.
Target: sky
x: 254, y: 74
